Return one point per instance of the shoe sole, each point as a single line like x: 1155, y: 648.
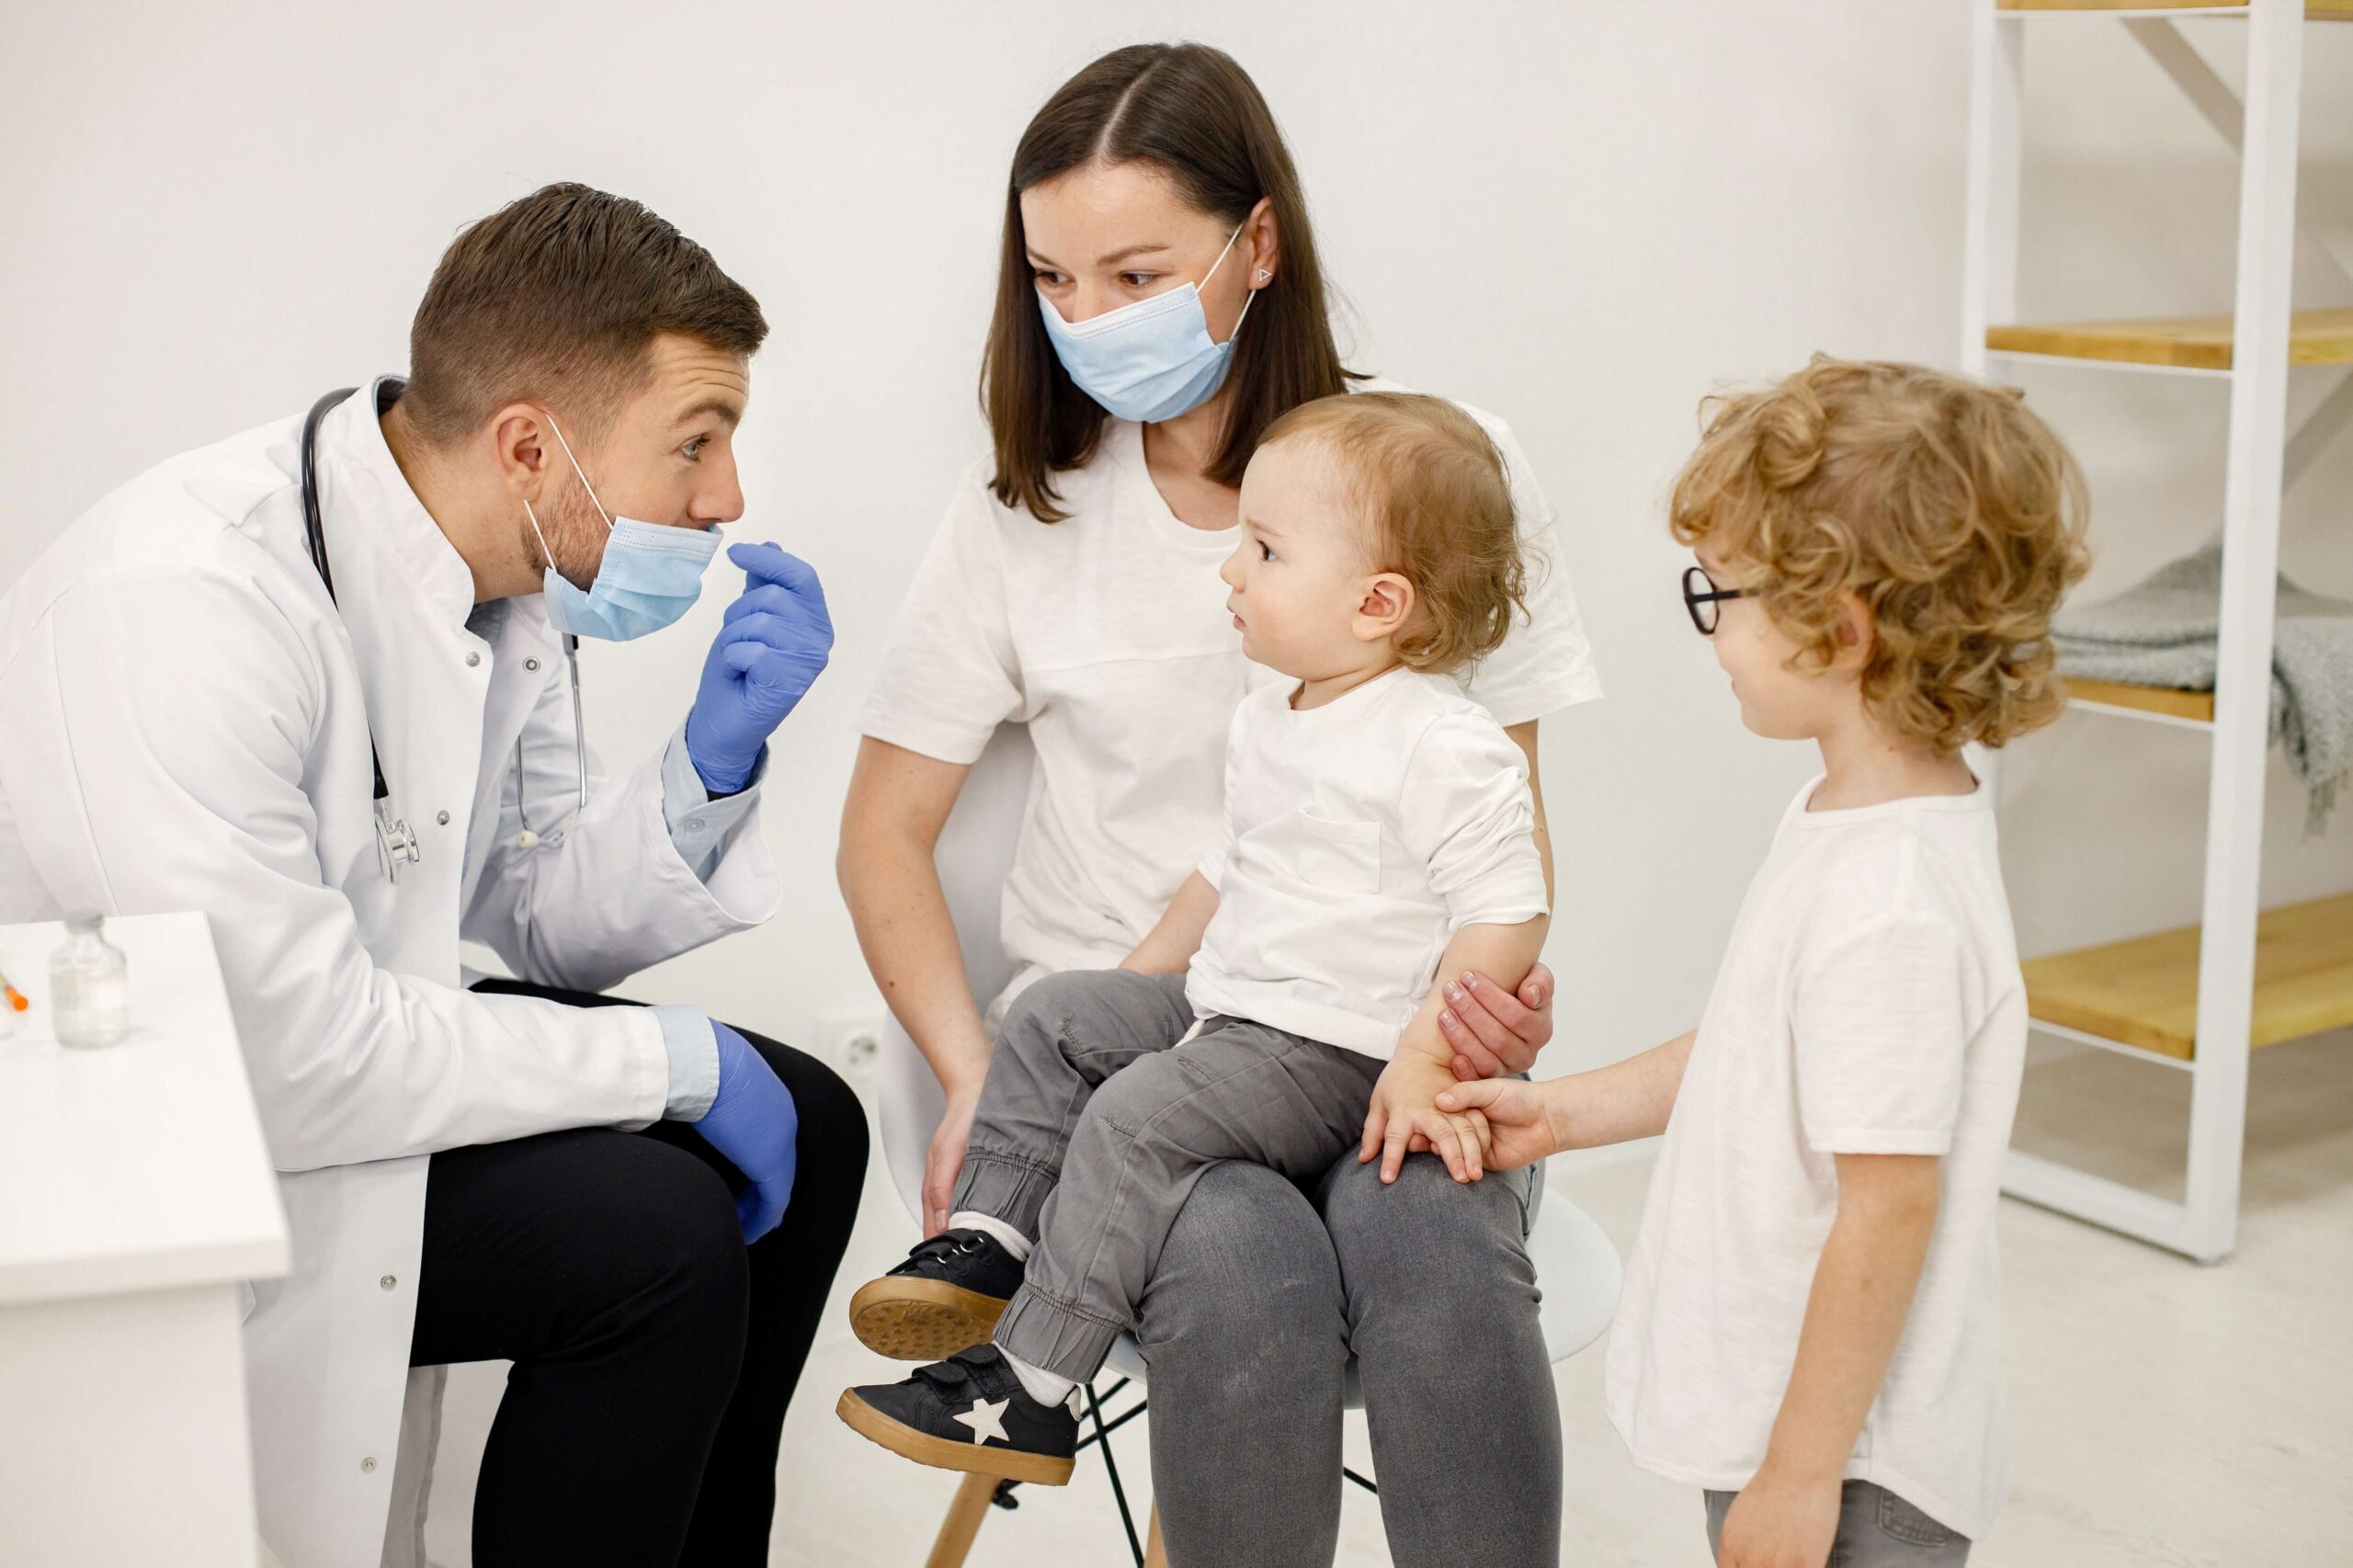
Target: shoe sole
x: 921, y: 1319
x: 943, y: 1453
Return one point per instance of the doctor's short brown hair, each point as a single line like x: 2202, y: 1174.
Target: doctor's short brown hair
x: 557, y: 297
x: 1945, y: 505
x: 1436, y: 506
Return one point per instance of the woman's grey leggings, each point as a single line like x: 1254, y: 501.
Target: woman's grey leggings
x: 1262, y: 1293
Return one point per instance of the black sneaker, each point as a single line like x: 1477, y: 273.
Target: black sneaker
x: 968, y: 1412
x: 947, y: 1297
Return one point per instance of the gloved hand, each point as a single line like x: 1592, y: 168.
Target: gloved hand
x: 769, y: 651
x: 754, y: 1122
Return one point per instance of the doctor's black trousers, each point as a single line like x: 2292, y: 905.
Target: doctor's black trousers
x: 654, y: 1354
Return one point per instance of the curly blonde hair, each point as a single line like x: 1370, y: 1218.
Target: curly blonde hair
x: 1438, y: 503
x: 1946, y: 505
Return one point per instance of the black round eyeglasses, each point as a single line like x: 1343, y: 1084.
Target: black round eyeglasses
x: 1701, y: 596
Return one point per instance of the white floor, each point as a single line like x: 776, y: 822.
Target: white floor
x: 2162, y: 1414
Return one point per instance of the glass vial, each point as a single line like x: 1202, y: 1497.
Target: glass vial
x: 89, y: 985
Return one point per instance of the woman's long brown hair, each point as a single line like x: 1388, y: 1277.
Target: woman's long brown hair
x: 1193, y: 113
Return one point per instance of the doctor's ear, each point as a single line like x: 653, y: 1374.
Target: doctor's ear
x: 524, y: 447
x: 1387, y: 606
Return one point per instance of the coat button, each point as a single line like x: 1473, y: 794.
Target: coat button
x: 472, y: 659
x: 442, y: 817
x: 367, y: 1467
x: 531, y: 664
x: 388, y: 1281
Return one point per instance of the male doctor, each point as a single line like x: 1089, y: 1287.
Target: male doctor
x: 196, y: 715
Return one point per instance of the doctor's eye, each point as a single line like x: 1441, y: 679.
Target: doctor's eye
x: 1139, y: 280
x: 692, y: 450
x: 1046, y: 276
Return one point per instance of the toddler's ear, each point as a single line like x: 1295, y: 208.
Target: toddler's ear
x: 1386, y: 606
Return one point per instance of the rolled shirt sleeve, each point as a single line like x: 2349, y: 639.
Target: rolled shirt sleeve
x: 1466, y: 811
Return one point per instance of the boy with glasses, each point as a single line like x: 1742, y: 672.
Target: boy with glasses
x: 1808, y: 1328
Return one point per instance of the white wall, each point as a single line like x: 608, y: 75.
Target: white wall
x: 1581, y: 216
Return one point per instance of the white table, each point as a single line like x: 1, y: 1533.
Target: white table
x: 135, y: 1195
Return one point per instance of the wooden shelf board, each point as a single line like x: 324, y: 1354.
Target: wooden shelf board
x: 2191, y: 343
x: 2197, y: 705
x: 2314, y: 10
x: 2144, y: 992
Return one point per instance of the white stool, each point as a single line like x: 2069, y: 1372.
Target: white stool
x: 1576, y: 1266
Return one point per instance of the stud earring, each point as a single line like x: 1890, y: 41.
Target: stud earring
x: 1264, y: 275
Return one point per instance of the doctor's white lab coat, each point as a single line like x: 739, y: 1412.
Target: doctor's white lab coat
x: 184, y: 724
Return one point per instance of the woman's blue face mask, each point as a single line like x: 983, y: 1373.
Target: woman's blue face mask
x: 1153, y: 360
x: 651, y: 574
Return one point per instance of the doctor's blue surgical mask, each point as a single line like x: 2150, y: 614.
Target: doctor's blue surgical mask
x: 1153, y: 360
x: 651, y: 576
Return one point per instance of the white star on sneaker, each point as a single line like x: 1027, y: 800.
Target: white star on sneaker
x: 986, y: 1420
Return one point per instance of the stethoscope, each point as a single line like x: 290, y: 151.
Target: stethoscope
x: 398, y: 844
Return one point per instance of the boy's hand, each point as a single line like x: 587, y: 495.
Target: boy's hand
x: 1778, y: 1523
x: 1405, y: 1108
x: 1520, y: 1130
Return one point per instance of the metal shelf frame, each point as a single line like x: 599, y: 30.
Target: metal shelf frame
x: 2261, y: 461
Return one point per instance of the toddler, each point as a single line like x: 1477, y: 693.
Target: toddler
x: 1808, y: 1327
x: 1378, y: 825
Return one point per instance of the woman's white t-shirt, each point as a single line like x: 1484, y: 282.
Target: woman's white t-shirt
x: 1869, y: 1003
x: 1107, y: 634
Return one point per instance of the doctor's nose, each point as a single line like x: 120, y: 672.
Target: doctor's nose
x: 719, y: 499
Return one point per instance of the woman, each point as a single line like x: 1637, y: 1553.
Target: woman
x: 1073, y: 587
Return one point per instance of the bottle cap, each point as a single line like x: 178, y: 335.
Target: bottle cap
x: 84, y: 922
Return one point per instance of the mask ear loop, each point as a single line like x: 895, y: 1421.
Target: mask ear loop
x: 546, y: 555
x: 1247, y: 299
x: 583, y: 473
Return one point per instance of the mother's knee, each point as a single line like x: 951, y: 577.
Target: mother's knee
x: 1246, y: 1262
x: 1442, y: 1236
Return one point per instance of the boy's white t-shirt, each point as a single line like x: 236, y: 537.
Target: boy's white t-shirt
x: 1869, y: 1003
x: 1360, y: 836
x: 1107, y: 634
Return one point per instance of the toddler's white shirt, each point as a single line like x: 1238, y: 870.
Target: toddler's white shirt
x: 1107, y: 634
x: 1869, y: 1003
x: 1360, y: 836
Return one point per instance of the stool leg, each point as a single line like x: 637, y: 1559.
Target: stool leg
x: 1154, y: 1555
x: 963, y: 1523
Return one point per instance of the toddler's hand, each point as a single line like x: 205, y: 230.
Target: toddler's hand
x: 1519, y: 1123
x: 1405, y: 1113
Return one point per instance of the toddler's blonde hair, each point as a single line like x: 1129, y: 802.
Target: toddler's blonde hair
x: 1948, y: 507
x: 1437, y: 505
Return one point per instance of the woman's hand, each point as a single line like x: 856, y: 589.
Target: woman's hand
x: 1493, y: 1031
x: 1519, y: 1116
x: 944, y: 1158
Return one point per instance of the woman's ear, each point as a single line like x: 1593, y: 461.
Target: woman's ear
x: 1265, y: 243
x: 1387, y: 606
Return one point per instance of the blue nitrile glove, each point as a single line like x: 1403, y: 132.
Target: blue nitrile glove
x: 770, y: 650
x: 754, y: 1123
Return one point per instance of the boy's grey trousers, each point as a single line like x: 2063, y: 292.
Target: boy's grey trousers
x: 1092, y: 1130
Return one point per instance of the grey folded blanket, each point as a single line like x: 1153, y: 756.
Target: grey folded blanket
x: 2162, y: 633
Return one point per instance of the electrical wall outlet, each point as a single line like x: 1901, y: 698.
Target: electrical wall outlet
x: 854, y: 1042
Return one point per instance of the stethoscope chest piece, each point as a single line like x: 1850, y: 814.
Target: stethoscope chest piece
x: 399, y: 845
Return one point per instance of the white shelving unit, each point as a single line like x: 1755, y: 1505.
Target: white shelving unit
x: 2199, y: 999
